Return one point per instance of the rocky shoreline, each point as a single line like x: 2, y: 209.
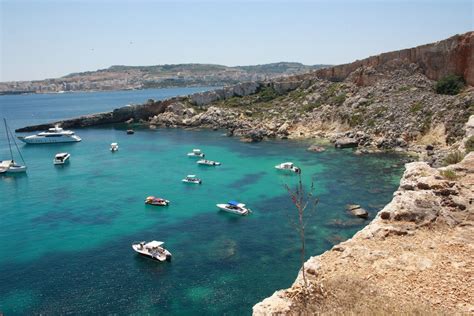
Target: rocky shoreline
x: 416, y: 256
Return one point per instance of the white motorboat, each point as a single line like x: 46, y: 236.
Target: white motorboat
x: 151, y: 200
x: 191, y: 178
x: 153, y: 249
x: 205, y: 162
x: 10, y: 166
x: 288, y: 166
x: 61, y: 158
x: 234, y: 207
x: 53, y: 135
x: 114, y: 147
x: 196, y: 153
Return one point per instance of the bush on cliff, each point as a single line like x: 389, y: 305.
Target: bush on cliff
x: 453, y: 158
x: 469, y: 144
x: 451, y: 84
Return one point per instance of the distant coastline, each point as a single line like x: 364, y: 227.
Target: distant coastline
x: 116, y: 78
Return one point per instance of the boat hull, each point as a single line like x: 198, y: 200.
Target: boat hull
x: 49, y: 140
x: 16, y: 169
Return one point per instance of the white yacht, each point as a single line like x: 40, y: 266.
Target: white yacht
x: 114, y: 147
x: 53, y: 135
x: 234, y: 207
x: 206, y: 162
x: 191, y: 178
x: 153, y: 249
x: 61, y: 158
x: 288, y: 166
x: 196, y: 153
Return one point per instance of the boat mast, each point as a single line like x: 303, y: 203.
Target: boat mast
x: 8, y: 137
x: 9, y: 133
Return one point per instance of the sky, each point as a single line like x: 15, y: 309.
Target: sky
x: 48, y: 39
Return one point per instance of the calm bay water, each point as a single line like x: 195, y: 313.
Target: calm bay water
x: 66, y: 232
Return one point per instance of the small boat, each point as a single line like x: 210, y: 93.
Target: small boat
x: 53, y: 135
x: 288, y: 166
x: 153, y: 249
x: 61, y: 158
x: 151, y: 200
x: 10, y: 166
x: 234, y: 207
x: 196, y: 153
x: 114, y: 147
x: 130, y: 131
x: 206, y: 162
x: 191, y: 178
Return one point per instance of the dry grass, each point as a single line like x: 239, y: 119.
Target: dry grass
x: 434, y: 136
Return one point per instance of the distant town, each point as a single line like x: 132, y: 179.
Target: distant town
x: 160, y: 76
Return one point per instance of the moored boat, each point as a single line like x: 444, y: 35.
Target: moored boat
x: 114, y: 147
x: 288, y: 166
x: 130, y: 131
x: 61, y: 158
x: 153, y: 249
x: 10, y: 166
x: 234, y: 207
x: 205, y: 162
x: 53, y: 135
x: 196, y: 153
x: 191, y: 178
x: 151, y: 200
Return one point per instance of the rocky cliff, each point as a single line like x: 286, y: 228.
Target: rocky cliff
x: 454, y: 55
x: 415, y: 257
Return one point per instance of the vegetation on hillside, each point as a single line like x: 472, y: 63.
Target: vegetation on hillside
x: 451, y: 85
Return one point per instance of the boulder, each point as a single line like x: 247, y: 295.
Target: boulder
x: 346, y: 142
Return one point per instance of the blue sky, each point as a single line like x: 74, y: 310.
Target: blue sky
x: 47, y: 39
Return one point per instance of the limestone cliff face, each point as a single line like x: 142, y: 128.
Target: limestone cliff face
x: 454, y: 55
x: 416, y: 256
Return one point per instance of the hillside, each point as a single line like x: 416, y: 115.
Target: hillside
x: 160, y: 76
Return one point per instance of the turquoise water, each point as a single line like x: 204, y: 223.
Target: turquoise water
x: 66, y: 231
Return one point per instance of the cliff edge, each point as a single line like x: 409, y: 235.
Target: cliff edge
x: 416, y: 256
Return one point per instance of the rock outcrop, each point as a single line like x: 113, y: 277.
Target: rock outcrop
x: 416, y: 256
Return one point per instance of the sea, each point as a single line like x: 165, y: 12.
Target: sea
x: 66, y: 231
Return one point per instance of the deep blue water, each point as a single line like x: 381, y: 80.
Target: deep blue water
x: 66, y: 232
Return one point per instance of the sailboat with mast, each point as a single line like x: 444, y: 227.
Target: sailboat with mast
x: 11, y: 166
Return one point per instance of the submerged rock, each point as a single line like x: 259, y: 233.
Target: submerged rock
x: 357, y: 210
x: 316, y: 148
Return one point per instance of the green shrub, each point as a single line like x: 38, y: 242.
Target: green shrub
x: 449, y: 175
x: 451, y: 84
x: 311, y: 106
x: 267, y: 94
x: 339, y: 99
x: 354, y: 120
x: 453, y: 158
x: 469, y: 144
x: 416, y: 107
